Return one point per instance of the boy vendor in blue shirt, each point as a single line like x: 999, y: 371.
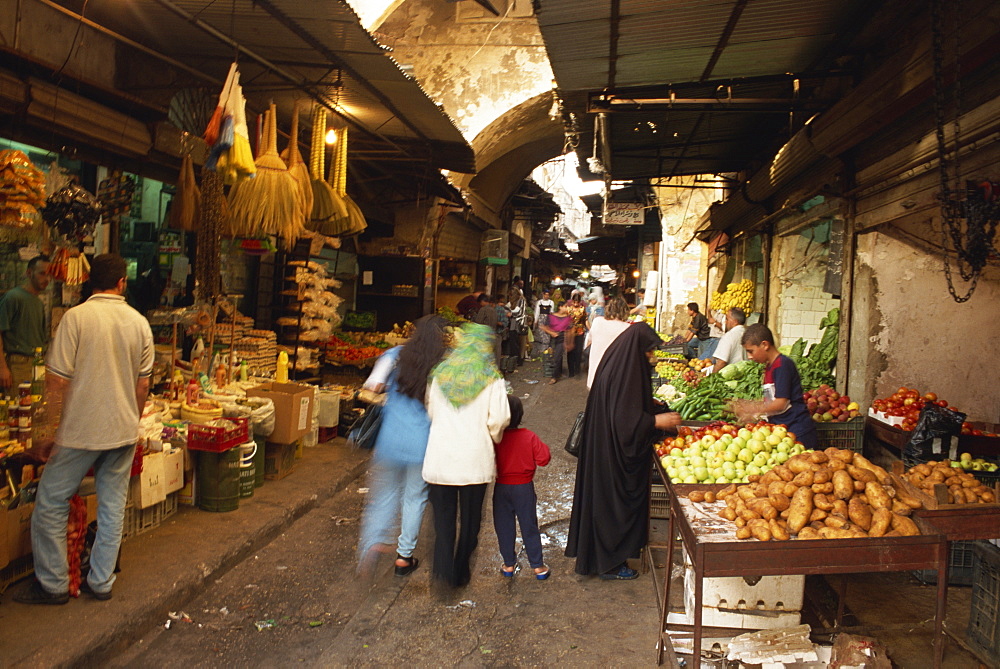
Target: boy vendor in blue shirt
x: 782, y: 403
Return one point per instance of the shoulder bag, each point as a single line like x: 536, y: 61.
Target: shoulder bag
x: 575, y: 436
x: 365, y: 431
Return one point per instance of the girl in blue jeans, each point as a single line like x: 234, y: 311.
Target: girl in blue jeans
x: 397, y: 491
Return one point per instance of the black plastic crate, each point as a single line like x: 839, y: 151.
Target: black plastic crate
x: 959, y: 565
x: 849, y: 435
x: 984, y: 617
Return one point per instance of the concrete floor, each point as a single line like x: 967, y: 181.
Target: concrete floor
x: 284, y: 563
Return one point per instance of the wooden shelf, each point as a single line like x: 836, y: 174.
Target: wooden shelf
x: 378, y: 294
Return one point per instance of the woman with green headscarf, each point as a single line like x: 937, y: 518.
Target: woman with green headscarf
x: 467, y: 405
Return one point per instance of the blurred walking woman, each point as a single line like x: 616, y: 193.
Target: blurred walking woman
x: 467, y: 404
x: 396, y: 482
x: 608, y: 524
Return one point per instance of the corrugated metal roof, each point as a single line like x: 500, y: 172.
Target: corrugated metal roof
x: 675, y: 42
x: 309, y: 42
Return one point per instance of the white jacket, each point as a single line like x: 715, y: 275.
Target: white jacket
x: 460, y: 446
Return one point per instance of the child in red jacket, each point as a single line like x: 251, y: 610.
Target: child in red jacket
x: 518, y: 453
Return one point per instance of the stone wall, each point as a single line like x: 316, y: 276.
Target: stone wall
x: 798, y: 301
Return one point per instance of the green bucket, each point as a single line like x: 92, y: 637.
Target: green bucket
x: 218, y: 480
x: 248, y: 465
x: 258, y: 461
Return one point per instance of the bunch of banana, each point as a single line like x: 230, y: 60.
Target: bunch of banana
x: 736, y: 295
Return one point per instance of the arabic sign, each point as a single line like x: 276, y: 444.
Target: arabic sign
x: 623, y: 213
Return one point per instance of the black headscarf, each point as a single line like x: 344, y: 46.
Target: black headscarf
x: 611, y: 500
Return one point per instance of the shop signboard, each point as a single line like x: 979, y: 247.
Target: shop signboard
x: 623, y: 213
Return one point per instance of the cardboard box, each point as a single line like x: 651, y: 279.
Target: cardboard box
x: 279, y: 460
x: 150, y: 485
x: 18, y: 527
x: 173, y: 470
x: 187, y: 495
x: 293, y: 408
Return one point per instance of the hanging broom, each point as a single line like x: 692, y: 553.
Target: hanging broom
x: 215, y: 122
x: 186, y: 205
x: 328, y: 207
x: 271, y: 203
x: 237, y: 163
x: 355, y: 223
x: 297, y: 167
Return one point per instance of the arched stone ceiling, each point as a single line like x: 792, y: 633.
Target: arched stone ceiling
x: 507, y: 151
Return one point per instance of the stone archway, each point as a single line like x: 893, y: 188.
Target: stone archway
x: 507, y: 150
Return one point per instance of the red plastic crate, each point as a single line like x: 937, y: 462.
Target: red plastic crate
x: 217, y: 439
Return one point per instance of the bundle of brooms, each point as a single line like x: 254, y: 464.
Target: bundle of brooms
x: 355, y: 222
x: 297, y: 167
x: 329, y: 212
x: 271, y: 203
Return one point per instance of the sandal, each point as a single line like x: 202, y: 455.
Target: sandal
x: 620, y: 573
x: 542, y: 575
x: 508, y: 574
x: 412, y: 563
x: 553, y: 381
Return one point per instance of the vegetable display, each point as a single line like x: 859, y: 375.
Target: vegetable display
x: 724, y: 453
x: 827, y: 405
x: 816, y: 366
x: 831, y: 494
x: 906, y: 403
x: 962, y: 487
x: 707, y: 399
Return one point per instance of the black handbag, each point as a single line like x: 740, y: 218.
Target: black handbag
x: 365, y: 431
x: 575, y: 436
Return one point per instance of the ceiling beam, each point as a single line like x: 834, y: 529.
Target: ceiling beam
x: 727, y: 32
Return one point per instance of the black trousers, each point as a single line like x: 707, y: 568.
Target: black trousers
x: 457, y: 510
x: 574, y: 357
x: 517, y: 502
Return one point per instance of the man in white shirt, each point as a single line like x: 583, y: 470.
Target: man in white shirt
x: 96, y: 381
x: 730, y: 348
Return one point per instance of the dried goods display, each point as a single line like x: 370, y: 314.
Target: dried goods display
x: 73, y: 211
x: 22, y: 187
x: 69, y: 266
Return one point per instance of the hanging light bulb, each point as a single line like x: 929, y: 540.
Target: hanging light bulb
x: 331, y: 136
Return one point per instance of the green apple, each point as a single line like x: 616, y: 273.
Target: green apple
x: 690, y: 479
x: 721, y: 479
x: 729, y: 456
x: 753, y: 470
x: 781, y: 458
x: 756, y: 445
x: 707, y: 440
x: 780, y: 430
x: 746, y: 455
x: 718, y: 472
x: 965, y: 456
x: 760, y: 459
x: 739, y: 441
x: 763, y: 432
x: 774, y: 439
x: 672, y: 473
x: 744, y: 433
x: 700, y: 473
x: 710, y: 480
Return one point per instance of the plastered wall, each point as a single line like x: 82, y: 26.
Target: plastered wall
x: 907, y: 331
x: 477, y: 68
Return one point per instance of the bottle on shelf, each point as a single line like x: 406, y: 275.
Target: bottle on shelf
x: 193, y: 392
x: 281, y: 372
x: 38, y: 375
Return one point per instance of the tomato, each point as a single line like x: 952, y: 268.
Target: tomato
x: 942, y: 403
x: 908, y: 401
x: 930, y: 397
x: 902, y: 390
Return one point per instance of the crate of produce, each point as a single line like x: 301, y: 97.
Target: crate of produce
x: 984, y: 617
x: 219, y: 435
x: 849, y: 435
x: 659, y: 502
x: 22, y: 567
x: 959, y: 565
x: 138, y: 521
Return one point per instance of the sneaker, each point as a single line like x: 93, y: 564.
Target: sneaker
x: 36, y: 594
x: 100, y: 596
x: 622, y: 573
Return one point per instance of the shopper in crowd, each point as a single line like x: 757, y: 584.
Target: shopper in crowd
x: 556, y: 326
x: 543, y: 308
x: 605, y: 330
x: 503, y: 333
x: 514, y: 500
x: 577, y: 310
x: 468, y: 306
x: 594, y: 309
x: 97, y: 378
x: 467, y: 405
x: 22, y: 324
x: 397, y: 484
x: 609, y: 520
x: 488, y: 316
x: 518, y: 304
x: 730, y: 348
x: 640, y: 303
x: 697, y: 342
x: 782, y: 401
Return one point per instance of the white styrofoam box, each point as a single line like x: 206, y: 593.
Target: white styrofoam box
x: 775, y: 601
x: 311, y: 438
x: 329, y: 408
x: 716, y: 618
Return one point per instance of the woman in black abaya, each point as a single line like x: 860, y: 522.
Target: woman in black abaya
x: 608, y: 524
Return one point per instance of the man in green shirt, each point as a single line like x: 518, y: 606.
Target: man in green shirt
x: 22, y: 324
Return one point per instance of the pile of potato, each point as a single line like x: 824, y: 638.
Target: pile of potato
x: 963, y: 487
x: 831, y: 494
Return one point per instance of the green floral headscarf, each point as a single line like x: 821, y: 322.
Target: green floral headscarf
x: 470, y: 367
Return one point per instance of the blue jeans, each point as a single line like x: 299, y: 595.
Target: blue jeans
x: 60, y: 480
x: 393, y: 486
x: 707, y: 347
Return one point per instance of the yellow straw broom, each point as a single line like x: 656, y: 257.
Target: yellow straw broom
x: 328, y: 207
x: 271, y: 203
x: 355, y: 223
x: 298, y: 169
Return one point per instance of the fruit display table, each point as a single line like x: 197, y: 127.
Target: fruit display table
x: 714, y: 551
